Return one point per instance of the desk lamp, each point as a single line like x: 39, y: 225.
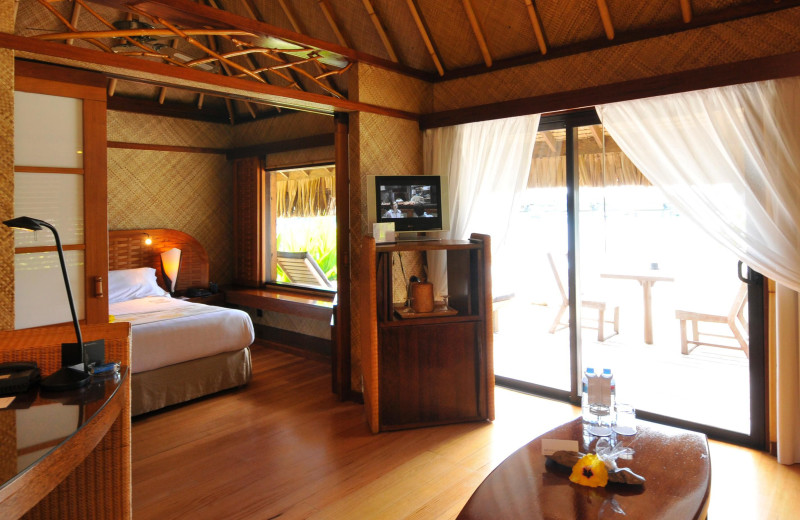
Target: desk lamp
x: 65, y: 378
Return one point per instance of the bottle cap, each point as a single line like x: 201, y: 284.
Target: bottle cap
x: 606, y: 370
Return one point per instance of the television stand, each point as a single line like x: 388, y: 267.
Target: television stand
x: 413, y: 237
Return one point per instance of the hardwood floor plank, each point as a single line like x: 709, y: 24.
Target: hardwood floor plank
x: 284, y: 447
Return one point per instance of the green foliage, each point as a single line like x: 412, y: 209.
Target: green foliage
x: 317, y: 235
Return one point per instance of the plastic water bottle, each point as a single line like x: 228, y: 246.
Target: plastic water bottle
x: 588, y: 416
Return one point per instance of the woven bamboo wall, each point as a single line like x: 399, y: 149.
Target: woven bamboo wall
x: 761, y: 36
x: 389, y: 89
x: 8, y: 11
x: 190, y: 192
x: 379, y: 145
x: 289, y: 126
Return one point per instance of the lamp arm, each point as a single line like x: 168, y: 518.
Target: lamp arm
x: 66, y: 281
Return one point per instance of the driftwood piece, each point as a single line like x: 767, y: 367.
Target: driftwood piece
x: 621, y: 475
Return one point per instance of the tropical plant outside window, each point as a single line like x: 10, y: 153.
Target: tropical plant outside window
x: 306, y: 216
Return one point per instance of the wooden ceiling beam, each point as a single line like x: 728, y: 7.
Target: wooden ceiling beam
x: 550, y: 141
x: 76, y: 13
x: 423, y: 31
x: 537, y: 27
x: 686, y: 10
x: 376, y: 21
x: 256, y: 15
x: 476, y: 29
x: 605, y: 16
x: 327, y: 10
x: 212, y: 43
x: 598, y: 138
x: 154, y: 73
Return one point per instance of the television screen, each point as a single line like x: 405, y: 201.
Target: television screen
x: 412, y: 202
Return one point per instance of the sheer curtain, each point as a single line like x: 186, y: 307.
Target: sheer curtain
x: 487, y: 165
x: 729, y: 158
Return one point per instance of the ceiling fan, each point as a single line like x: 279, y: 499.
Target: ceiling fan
x: 158, y: 45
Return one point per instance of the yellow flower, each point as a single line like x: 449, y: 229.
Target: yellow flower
x: 111, y: 318
x: 590, y: 471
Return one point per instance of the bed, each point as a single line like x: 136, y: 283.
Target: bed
x: 179, y: 350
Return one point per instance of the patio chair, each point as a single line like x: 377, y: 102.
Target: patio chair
x: 301, y: 268
x: 599, y: 305
x: 735, y: 319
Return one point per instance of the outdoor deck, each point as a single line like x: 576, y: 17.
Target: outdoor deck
x: 710, y: 385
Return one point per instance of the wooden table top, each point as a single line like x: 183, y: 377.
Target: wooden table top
x: 674, y: 462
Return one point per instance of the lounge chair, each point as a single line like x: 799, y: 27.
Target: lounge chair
x: 601, y: 306
x: 301, y: 268
x: 735, y: 319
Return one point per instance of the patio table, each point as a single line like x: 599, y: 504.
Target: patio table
x: 647, y: 278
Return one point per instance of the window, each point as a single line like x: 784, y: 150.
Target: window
x: 304, y: 248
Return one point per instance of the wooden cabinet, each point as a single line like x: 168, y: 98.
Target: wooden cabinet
x: 435, y: 368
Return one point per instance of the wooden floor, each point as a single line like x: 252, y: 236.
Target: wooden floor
x: 283, y: 447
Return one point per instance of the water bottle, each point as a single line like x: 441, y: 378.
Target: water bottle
x: 588, y: 416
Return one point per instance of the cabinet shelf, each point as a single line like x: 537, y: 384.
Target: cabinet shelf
x: 434, y: 369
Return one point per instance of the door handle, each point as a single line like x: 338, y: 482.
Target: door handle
x: 98, y: 286
x: 746, y: 278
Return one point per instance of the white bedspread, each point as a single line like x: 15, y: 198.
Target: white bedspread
x: 167, y: 331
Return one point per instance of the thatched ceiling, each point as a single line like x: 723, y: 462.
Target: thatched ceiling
x: 432, y: 39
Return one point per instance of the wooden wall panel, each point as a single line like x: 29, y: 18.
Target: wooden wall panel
x: 249, y: 222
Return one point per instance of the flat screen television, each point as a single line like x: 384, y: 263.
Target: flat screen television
x: 415, y: 203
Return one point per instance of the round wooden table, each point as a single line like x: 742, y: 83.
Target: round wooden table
x: 674, y: 462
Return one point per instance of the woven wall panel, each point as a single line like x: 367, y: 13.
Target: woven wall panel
x: 189, y: 192
x: 385, y: 88
x: 379, y: 145
x: 6, y: 171
x: 147, y: 129
x: 289, y: 126
x: 765, y: 35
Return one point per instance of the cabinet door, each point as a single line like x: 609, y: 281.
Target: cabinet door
x: 430, y: 374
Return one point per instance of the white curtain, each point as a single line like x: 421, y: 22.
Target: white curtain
x: 487, y: 165
x: 729, y: 158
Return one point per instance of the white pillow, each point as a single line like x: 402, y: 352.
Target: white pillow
x: 129, y: 284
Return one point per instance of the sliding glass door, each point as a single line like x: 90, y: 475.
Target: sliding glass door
x: 617, y: 278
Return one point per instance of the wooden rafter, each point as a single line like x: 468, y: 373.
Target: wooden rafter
x: 476, y: 29
x: 76, y: 13
x: 550, y: 141
x: 686, y: 10
x: 71, y: 27
x: 226, y: 70
x: 423, y: 31
x: 376, y: 21
x: 537, y: 27
x: 598, y: 137
x: 255, y: 15
x: 327, y: 10
x: 605, y: 16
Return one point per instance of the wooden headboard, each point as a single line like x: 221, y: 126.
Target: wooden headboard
x: 127, y: 250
